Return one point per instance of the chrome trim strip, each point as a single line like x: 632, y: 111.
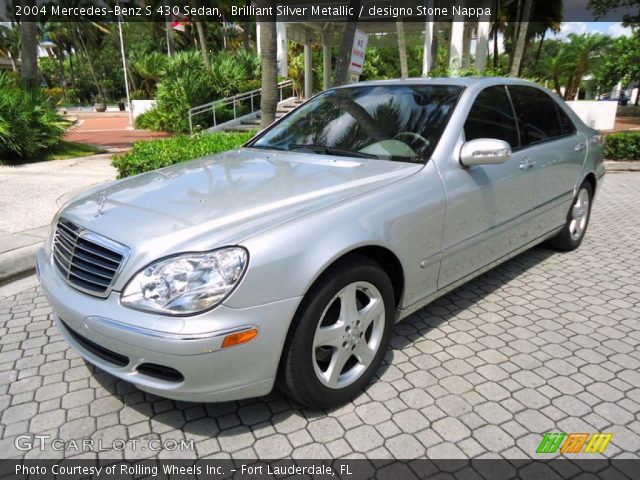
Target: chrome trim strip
x: 456, y: 246
x: 414, y: 307
x: 172, y: 336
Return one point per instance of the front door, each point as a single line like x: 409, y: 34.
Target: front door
x: 487, y: 206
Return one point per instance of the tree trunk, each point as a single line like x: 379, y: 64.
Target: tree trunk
x: 518, y: 52
x: 346, y: 45
x: 434, y: 48
x: 535, y: 63
x: 269, y: 62
x: 567, y: 90
x: 101, y: 94
x: 245, y: 33
x: 496, y: 29
x: 203, y: 45
x: 72, y: 73
x: 402, y: 50
x: 29, y: 53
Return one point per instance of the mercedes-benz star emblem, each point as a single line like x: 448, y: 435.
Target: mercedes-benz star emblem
x: 100, y: 202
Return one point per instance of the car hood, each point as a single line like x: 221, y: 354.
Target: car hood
x: 225, y: 198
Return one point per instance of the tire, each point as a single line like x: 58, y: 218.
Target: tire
x: 333, y: 350
x: 571, y: 235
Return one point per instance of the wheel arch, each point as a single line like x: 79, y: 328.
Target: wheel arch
x: 591, y: 179
x: 384, y: 257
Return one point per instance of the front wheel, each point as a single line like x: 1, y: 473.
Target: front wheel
x: 571, y: 235
x: 340, y: 334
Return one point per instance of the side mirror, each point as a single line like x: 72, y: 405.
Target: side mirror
x: 484, y: 151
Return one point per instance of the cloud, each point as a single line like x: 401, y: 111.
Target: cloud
x: 617, y: 30
x: 572, y: 27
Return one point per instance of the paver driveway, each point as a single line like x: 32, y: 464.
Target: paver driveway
x: 545, y: 342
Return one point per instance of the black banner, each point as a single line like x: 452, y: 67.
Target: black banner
x: 492, y: 469
x: 309, y: 11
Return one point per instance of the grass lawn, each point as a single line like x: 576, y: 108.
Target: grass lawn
x: 63, y: 151
x: 71, y: 150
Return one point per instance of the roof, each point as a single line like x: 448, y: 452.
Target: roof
x: 461, y: 81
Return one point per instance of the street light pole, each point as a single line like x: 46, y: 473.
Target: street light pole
x: 124, y: 70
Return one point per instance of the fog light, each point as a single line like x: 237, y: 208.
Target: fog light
x: 240, y: 337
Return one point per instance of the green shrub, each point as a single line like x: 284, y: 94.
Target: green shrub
x: 227, y: 75
x: 622, y: 146
x: 153, y: 154
x: 185, y: 83
x: 29, y: 123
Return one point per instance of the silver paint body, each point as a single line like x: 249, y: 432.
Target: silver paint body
x: 296, y: 214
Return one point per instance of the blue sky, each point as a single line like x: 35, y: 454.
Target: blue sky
x: 613, y: 29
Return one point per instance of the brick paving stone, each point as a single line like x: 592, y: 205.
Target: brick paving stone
x: 545, y: 342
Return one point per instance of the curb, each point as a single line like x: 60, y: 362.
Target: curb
x: 631, y: 166
x: 18, y: 263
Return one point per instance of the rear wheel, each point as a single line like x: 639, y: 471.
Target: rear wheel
x: 570, y: 237
x: 340, y: 334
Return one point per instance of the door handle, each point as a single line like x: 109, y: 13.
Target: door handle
x: 579, y: 147
x: 527, y: 163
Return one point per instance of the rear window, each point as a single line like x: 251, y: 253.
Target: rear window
x: 538, y: 115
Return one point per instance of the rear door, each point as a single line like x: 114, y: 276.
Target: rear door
x: 554, y: 150
x: 487, y: 206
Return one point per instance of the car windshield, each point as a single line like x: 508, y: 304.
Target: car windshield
x: 390, y: 122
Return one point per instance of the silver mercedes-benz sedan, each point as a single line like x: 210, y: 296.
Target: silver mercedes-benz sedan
x: 288, y: 260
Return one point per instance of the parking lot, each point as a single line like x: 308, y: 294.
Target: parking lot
x: 545, y: 342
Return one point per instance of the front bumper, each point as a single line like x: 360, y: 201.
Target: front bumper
x: 189, y: 345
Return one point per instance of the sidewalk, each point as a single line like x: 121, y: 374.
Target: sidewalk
x: 30, y: 195
x: 108, y: 132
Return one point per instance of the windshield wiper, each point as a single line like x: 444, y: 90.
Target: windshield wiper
x: 331, y: 150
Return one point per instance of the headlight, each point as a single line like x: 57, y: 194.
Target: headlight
x: 187, y: 283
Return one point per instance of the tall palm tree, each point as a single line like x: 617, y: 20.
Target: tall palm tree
x: 402, y: 50
x: 518, y: 54
x: 269, y: 64
x: 29, y: 53
x: 584, y: 51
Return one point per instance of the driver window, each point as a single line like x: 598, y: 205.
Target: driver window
x: 491, y: 116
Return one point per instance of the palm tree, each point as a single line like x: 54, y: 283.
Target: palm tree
x: 151, y: 68
x: 583, y: 50
x: 402, y: 50
x: 269, y: 64
x: 518, y: 54
x: 29, y: 53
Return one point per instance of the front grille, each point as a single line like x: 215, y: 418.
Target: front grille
x: 88, y: 261
x: 98, y: 350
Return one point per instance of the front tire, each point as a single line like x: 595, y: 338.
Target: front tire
x: 340, y: 334
x: 571, y: 235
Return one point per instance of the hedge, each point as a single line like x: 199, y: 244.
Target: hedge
x: 622, y: 146
x: 149, y: 155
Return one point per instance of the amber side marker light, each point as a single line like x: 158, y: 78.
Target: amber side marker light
x: 239, y: 338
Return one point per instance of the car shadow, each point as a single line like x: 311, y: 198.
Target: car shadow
x: 232, y: 419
